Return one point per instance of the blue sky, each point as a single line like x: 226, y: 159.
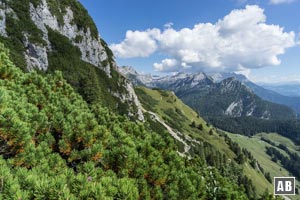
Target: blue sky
x: 256, y: 38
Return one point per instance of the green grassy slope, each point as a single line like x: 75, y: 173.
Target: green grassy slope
x: 258, y: 148
x: 279, y: 139
x: 179, y: 116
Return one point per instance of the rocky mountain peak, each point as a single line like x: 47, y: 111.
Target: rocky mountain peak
x: 218, y: 77
x: 199, y: 76
x: 127, y: 70
x: 230, y: 81
x: 231, y: 85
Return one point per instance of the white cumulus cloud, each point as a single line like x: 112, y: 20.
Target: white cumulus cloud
x: 239, y: 42
x: 137, y: 44
x: 167, y: 65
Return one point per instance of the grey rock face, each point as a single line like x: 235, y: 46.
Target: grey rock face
x: 4, y: 11
x: 134, y: 98
x: 91, y: 49
x: 35, y: 56
x: 130, y: 97
x: 2, y: 23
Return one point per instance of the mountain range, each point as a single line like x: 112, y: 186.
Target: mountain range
x: 227, y: 94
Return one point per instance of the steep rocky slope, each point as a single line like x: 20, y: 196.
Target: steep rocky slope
x: 38, y: 31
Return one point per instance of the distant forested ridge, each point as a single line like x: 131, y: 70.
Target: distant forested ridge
x: 250, y: 126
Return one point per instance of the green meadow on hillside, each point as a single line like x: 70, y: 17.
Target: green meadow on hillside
x: 258, y: 148
x: 178, y: 115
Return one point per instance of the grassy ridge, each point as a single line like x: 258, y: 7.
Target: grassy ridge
x: 279, y: 139
x: 162, y: 101
x: 258, y: 148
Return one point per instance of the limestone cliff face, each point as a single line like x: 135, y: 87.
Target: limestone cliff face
x: 93, y: 49
x: 3, y: 13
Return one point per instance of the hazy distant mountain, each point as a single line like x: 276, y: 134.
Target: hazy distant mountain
x: 292, y: 90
